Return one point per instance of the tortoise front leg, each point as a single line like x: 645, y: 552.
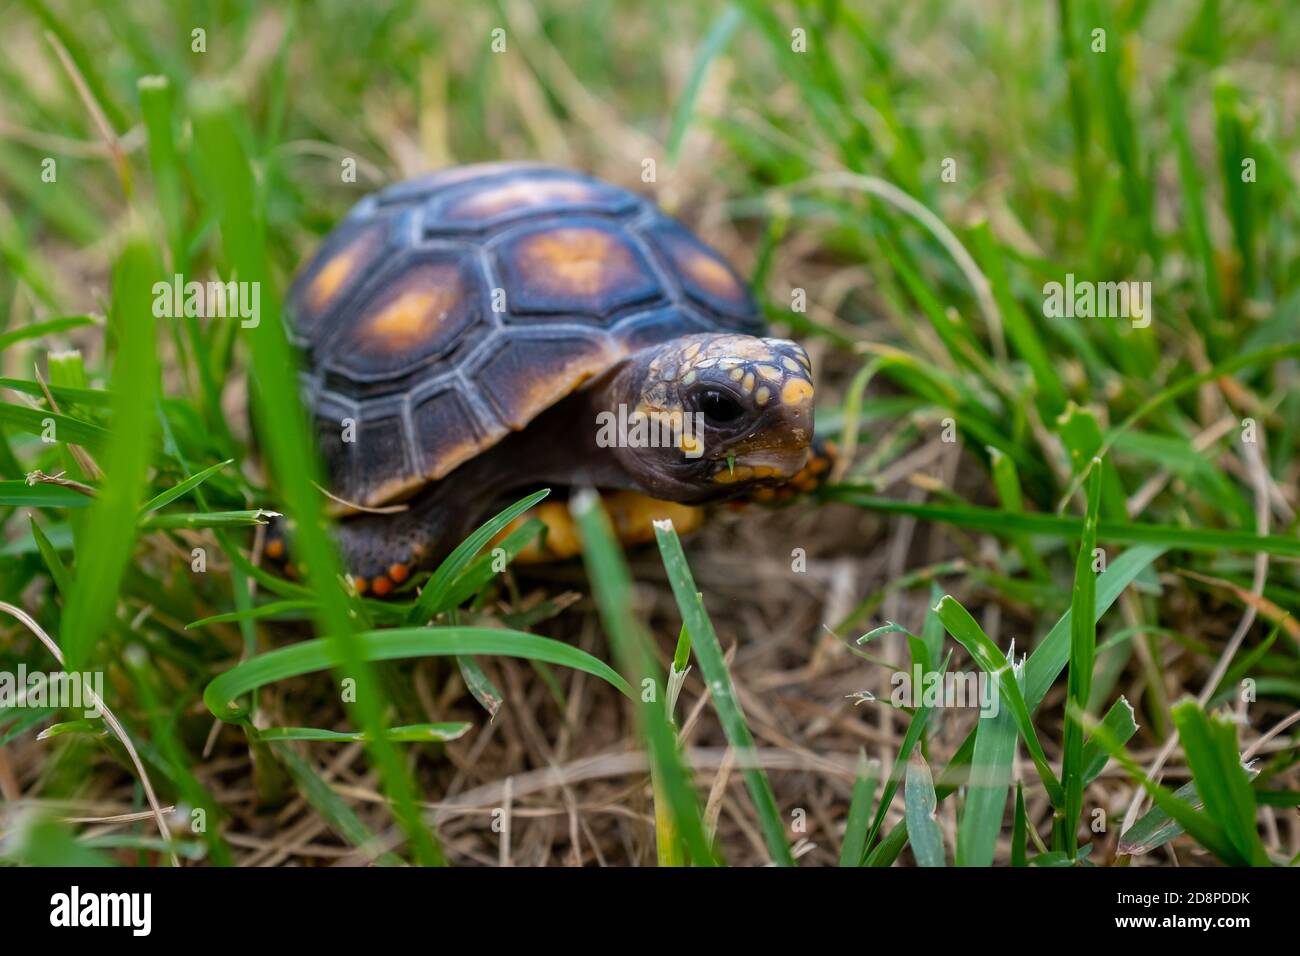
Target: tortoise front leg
x: 381, y: 551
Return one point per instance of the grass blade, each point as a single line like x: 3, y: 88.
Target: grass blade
x: 1121, y: 726
x: 483, y: 568
x: 189, y: 484
x: 611, y: 585
x: 855, y: 830
x: 479, y: 685
x: 704, y: 642
x: 919, y: 805
x: 1007, y: 482
x: 111, y: 522
x: 986, y: 793
x: 65, y: 428
x: 714, y: 42
x: 1019, y: 829
x: 277, y: 610
x: 307, y: 657
x: 433, y: 598
x: 411, y: 733
x: 156, y: 106
x: 967, y: 632
x: 58, y: 570
x: 1205, y: 830
x: 1210, y: 744
x: 1041, y: 670
x: 228, y: 180
x: 915, y: 727
x: 1155, y: 828
x: 1007, y: 524
x: 214, y: 519
x: 332, y: 808
x: 1083, y: 654
x: 39, y: 330
x: 19, y: 494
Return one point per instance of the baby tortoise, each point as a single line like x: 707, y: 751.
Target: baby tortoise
x: 464, y: 331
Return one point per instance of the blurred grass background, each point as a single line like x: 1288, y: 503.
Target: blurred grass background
x: 799, y: 138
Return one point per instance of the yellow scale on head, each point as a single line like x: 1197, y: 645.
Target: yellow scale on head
x: 796, y: 390
x: 749, y: 362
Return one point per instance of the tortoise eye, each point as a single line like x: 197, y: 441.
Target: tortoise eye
x: 719, y: 406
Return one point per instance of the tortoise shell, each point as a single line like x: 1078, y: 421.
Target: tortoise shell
x: 448, y: 310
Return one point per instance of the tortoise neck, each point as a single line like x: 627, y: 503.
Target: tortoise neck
x: 559, y: 448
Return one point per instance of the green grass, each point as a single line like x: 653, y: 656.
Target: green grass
x: 164, y: 443
x: 611, y: 585
x: 704, y: 642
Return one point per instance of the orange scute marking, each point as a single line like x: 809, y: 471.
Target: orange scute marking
x: 381, y: 586
x: 711, y: 274
x: 410, y: 319
x: 325, y: 285
x: 577, y: 260
x: 275, y: 549
x: 398, y: 572
x: 362, y: 585
x: 519, y: 194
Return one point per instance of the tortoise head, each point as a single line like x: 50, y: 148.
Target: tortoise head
x: 712, y: 415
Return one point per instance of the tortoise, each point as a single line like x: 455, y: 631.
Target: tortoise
x: 473, y: 334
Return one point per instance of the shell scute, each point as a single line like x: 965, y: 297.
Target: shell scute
x: 337, y: 270
x: 525, y: 375
x: 418, y: 313
x: 704, y: 275
x: 383, y: 469
x: 574, y: 269
x: 523, y: 193
x: 447, y: 431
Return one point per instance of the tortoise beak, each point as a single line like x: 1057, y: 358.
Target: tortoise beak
x: 776, y: 462
x: 772, y: 464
